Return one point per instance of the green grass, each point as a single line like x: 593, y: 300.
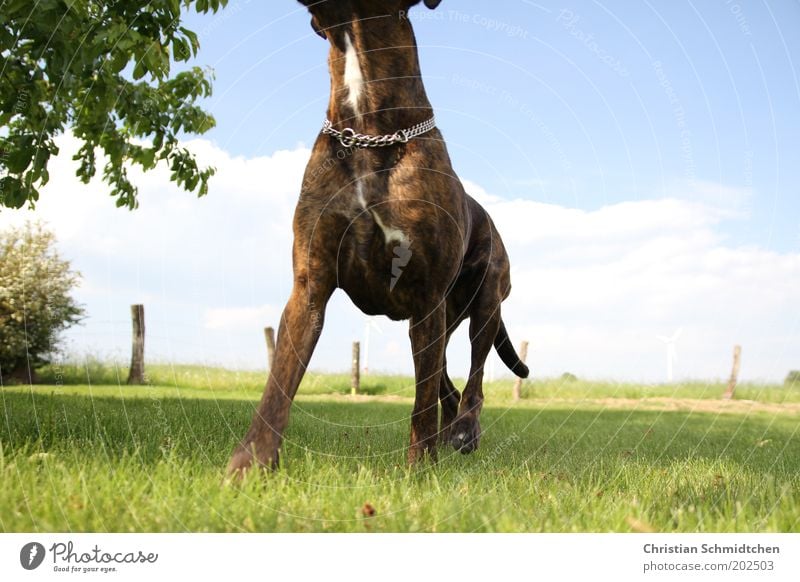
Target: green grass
x: 116, y: 458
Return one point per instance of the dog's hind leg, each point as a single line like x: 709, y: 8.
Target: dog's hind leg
x: 449, y: 398
x: 300, y: 327
x: 483, y: 324
x: 428, y: 340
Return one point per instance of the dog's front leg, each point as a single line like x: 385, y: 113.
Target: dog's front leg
x: 428, y: 341
x: 300, y: 327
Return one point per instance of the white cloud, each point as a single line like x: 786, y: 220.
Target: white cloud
x: 240, y: 318
x: 591, y: 291
x: 478, y: 192
x: 535, y: 221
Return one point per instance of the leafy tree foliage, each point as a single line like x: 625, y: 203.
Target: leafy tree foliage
x: 35, y: 301
x: 103, y: 69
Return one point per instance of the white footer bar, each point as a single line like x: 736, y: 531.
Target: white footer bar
x: 378, y: 557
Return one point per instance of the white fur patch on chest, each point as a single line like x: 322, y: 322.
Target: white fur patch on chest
x: 390, y: 233
x: 360, y: 194
x: 353, y: 78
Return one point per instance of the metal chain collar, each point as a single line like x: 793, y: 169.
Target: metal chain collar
x: 348, y: 136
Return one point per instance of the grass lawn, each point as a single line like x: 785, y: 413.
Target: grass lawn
x: 571, y: 457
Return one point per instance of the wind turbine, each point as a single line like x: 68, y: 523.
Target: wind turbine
x: 370, y: 323
x: 672, y: 354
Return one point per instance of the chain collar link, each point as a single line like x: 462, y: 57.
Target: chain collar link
x: 348, y: 136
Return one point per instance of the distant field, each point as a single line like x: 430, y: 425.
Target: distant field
x: 219, y: 382
x: 572, y: 456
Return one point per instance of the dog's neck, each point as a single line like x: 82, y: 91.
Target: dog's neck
x: 376, y: 85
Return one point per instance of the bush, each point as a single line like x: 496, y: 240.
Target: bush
x: 793, y: 379
x: 568, y: 377
x: 35, y: 301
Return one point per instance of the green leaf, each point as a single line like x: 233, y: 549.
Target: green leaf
x: 20, y: 153
x: 192, y: 38
x: 180, y: 49
x: 139, y: 69
x: 118, y: 61
x: 11, y: 192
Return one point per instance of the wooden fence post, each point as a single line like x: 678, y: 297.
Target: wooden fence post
x: 737, y: 359
x: 269, y: 334
x: 136, y: 373
x: 355, y: 380
x: 523, y: 354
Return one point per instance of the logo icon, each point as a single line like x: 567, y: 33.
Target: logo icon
x: 402, y: 255
x: 31, y: 555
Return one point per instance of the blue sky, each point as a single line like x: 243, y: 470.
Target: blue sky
x: 640, y: 159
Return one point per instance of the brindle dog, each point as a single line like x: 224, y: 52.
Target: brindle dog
x: 391, y: 226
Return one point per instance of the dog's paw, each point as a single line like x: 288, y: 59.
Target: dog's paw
x: 245, y: 459
x: 419, y: 453
x: 465, y: 434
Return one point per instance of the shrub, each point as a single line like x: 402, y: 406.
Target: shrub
x: 793, y: 379
x: 35, y: 301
